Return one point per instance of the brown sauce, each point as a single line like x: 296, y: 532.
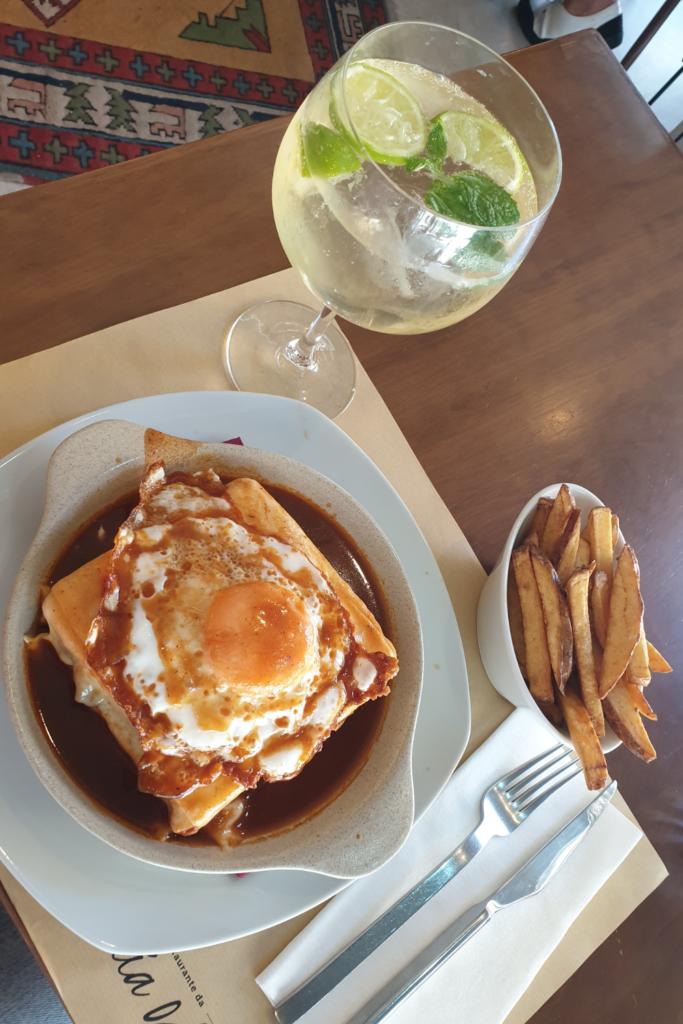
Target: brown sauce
x: 86, y: 748
x: 95, y: 761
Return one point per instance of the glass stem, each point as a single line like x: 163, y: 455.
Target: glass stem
x: 301, y: 350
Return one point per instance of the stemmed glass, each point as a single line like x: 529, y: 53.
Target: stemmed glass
x: 407, y: 190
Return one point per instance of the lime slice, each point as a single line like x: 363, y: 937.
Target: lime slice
x: 387, y: 119
x: 326, y: 153
x: 486, y: 146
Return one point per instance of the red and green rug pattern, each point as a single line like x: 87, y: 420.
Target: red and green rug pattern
x: 86, y: 84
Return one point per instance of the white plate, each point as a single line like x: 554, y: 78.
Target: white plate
x: 122, y: 905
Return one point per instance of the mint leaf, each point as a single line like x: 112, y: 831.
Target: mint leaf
x: 486, y: 245
x: 483, y: 254
x: 416, y: 163
x: 473, y: 198
x: 434, y: 153
x: 437, y: 145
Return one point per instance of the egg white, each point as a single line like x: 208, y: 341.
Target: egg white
x: 224, y: 554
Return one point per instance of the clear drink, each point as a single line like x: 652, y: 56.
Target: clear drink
x: 365, y: 241
x: 407, y: 190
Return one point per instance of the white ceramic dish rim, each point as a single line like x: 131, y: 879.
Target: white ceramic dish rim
x: 585, y: 500
x: 89, y: 889
x: 88, y: 470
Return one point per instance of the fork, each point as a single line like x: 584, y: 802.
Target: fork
x: 504, y: 806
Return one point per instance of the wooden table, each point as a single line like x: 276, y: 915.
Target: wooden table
x: 574, y: 372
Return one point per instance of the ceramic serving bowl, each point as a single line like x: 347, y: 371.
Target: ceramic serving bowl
x: 493, y: 624
x: 369, y: 820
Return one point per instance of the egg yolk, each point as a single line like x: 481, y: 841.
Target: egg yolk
x: 255, y: 633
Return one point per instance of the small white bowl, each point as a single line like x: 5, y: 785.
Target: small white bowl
x: 493, y: 624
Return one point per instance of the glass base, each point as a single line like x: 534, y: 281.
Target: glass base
x: 254, y: 356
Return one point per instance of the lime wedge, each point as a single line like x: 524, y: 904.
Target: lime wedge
x: 486, y: 146
x: 326, y: 153
x: 387, y: 119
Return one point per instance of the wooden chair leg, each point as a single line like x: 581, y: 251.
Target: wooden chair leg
x: 650, y: 29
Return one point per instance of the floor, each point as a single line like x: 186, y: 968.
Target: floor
x: 26, y: 997
x: 29, y: 999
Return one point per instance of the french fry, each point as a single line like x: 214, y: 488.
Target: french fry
x: 569, y: 546
x: 640, y: 701
x: 540, y: 518
x: 558, y: 627
x: 638, y: 670
x: 625, y: 619
x: 625, y: 719
x: 600, y: 605
x: 538, y: 669
x: 600, y: 539
x: 657, y: 661
x: 584, y: 740
x: 576, y: 621
x: 577, y: 595
x: 583, y: 555
x: 554, y: 527
x: 516, y: 627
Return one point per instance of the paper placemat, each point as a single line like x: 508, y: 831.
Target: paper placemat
x: 179, y: 350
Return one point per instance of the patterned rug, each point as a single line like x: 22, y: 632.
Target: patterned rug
x: 89, y: 83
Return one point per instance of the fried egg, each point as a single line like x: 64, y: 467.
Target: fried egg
x: 230, y: 648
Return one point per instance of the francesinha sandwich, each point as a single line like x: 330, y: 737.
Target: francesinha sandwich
x: 217, y: 642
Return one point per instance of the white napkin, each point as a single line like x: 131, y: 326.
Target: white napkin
x: 486, y: 977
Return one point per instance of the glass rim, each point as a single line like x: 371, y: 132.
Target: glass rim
x: 415, y: 200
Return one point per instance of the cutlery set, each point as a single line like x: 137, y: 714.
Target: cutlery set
x: 505, y: 805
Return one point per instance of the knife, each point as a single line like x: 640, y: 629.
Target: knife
x: 530, y: 879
